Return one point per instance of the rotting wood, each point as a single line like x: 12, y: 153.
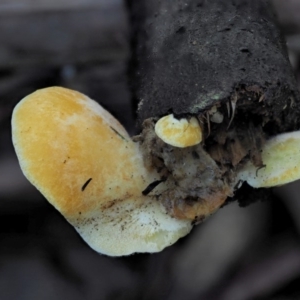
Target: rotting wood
x: 194, y: 57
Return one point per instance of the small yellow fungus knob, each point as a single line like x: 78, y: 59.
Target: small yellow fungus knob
x: 179, y: 133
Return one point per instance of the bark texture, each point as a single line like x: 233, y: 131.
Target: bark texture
x: 191, y: 55
x: 206, y: 57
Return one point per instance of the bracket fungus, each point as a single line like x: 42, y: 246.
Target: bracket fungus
x: 281, y: 162
x: 234, y: 97
x: 83, y: 161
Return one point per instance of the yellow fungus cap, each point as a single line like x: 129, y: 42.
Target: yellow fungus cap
x: 281, y: 159
x: 83, y: 161
x: 179, y: 133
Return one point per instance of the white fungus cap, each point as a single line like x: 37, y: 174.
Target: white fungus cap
x: 281, y: 159
x: 179, y: 133
x: 83, y: 161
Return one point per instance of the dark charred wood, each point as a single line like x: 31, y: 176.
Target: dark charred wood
x: 196, y: 57
x: 191, y: 55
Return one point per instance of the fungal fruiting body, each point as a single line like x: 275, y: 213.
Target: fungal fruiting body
x: 179, y: 133
x: 237, y: 107
x: 125, y: 196
x: 281, y: 162
x: 83, y: 161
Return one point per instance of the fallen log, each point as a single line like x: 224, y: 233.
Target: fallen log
x: 225, y: 63
x: 219, y: 110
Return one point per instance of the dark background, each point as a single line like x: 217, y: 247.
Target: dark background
x: 238, y: 254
